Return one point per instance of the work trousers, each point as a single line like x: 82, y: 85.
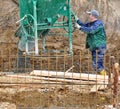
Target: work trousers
x: 98, y: 58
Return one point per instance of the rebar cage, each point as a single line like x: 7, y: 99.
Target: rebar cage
x: 56, y: 81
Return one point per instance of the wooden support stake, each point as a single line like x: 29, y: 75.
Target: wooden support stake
x: 116, y: 79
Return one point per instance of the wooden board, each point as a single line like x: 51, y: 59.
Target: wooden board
x: 52, y: 79
x: 100, y: 86
x: 95, y: 88
x: 81, y: 76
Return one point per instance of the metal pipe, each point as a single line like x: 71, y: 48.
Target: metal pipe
x: 70, y: 27
x: 35, y: 26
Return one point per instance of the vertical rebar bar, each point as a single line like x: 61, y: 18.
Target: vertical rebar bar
x: 112, y: 61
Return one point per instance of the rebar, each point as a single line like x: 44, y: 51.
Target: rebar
x: 64, y: 80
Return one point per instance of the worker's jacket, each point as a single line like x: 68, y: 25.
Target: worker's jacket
x: 96, y: 36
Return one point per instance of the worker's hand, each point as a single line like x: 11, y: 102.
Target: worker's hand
x: 77, y: 26
x: 76, y: 18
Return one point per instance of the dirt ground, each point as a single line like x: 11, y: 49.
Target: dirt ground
x: 39, y: 94
x: 60, y: 97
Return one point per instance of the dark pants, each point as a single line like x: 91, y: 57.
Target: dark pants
x: 98, y: 58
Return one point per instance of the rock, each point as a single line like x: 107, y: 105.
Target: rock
x: 7, y: 105
x: 10, y: 91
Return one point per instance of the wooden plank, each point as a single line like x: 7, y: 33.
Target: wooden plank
x: 100, y: 86
x: 34, y: 85
x: 53, y: 79
x: 6, y: 73
x: 103, y: 87
x: 20, y: 85
x: 81, y: 76
x: 95, y: 88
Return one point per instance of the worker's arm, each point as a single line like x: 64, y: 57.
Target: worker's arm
x: 92, y: 29
x: 81, y: 23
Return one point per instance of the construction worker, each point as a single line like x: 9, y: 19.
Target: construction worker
x: 95, y: 40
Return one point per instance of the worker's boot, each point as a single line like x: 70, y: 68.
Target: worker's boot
x: 103, y: 72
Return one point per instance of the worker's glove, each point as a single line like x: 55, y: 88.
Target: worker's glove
x: 77, y: 26
x: 76, y: 18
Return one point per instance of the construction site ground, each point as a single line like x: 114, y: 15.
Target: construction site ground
x: 29, y: 93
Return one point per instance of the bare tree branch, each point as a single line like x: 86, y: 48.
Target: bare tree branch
x: 16, y: 2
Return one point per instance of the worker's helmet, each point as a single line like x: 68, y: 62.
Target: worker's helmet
x: 94, y: 13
